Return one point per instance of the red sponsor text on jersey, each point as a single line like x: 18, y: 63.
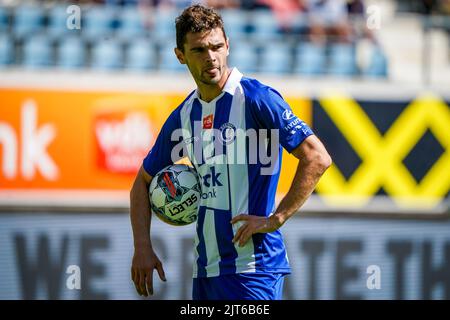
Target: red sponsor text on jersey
x: 208, y: 122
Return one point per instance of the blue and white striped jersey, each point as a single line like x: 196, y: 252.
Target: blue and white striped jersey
x: 234, y: 143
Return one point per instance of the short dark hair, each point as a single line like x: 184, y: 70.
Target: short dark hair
x: 196, y: 18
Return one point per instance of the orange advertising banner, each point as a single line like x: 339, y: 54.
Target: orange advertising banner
x: 88, y: 140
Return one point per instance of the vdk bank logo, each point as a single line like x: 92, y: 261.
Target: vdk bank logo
x: 24, y: 152
x: 211, y: 180
x: 123, y: 139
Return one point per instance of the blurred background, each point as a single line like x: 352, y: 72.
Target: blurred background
x: 85, y: 87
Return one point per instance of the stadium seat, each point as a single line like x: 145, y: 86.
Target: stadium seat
x: 276, y: 58
x: 168, y: 60
x: 106, y: 55
x: 122, y: 2
x: 310, y: 59
x: 244, y: 56
x: 299, y: 23
x: 131, y: 24
x: 6, y: 50
x: 378, y: 64
x: 235, y: 23
x: 4, y: 19
x: 98, y: 22
x: 141, y: 55
x: 342, y: 60
x: 264, y: 25
x: 57, y: 22
x: 28, y: 19
x: 71, y: 53
x: 164, y: 24
x: 37, y: 52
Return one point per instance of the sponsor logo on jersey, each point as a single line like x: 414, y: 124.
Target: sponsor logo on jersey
x: 209, y: 194
x: 211, y: 180
x: 287, y: 114
x: 208, y: 121
x: 291, y: 126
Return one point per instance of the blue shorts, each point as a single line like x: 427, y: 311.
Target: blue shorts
x: 239, y: 286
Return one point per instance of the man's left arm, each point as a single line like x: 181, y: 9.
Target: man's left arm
x: 314, y: 160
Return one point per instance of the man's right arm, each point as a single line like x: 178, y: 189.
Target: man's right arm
x: 144, y: 259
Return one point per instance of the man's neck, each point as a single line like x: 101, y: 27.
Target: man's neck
x: 210, y: 92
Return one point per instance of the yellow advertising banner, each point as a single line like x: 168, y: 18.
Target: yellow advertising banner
x: 407, y: 157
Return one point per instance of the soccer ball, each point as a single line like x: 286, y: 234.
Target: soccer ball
x: 175, y: 194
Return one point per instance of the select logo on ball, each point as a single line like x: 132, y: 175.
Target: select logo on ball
x: 186, y: 204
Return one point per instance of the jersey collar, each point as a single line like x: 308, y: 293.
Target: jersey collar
x: 233, y: 81
x: 230, y: 86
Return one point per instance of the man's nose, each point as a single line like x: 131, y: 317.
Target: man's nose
x: 210, y: 56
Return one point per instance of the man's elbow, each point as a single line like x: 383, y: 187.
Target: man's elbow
x: 320, y: 160
x: 324, y: 161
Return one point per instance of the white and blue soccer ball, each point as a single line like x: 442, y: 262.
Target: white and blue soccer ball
x: 175, y: 194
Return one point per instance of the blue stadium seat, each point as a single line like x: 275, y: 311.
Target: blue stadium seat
x: 244, y: 56
x: 121, y: 2
x: 235, y: 23
x: 342, y: 60
x: 300, y: 23
x: 264, y: 25
x: 378, y: 64
x: 98, y: 22
x: 107, y: 55
x: 4, y: 18
x: 71, y: 53
x: 276, y: 58
x: 164, y: 24
x: 37, y: 52
x: 131, y: 24
x: 57, y: 22
x: 310, y: 59
x: 6, y: 50
x: 28, y: 19
x: 168, y: 60
x: 141, y: 55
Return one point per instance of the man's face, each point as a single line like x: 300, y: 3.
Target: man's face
x: 205, y: 54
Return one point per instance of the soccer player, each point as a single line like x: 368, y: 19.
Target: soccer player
x: 239, y: 249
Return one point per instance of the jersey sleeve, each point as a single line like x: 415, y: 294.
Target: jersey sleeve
x: 273, y: 112
x: 160, y: 155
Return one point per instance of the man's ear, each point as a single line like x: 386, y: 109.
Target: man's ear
x: 228, y: 46
x: 180, y: 55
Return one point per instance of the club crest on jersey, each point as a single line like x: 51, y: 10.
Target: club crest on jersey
x: 227, y: 133
x: 208, y: 122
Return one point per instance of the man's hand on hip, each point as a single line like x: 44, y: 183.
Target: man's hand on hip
x: 254, y: 224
